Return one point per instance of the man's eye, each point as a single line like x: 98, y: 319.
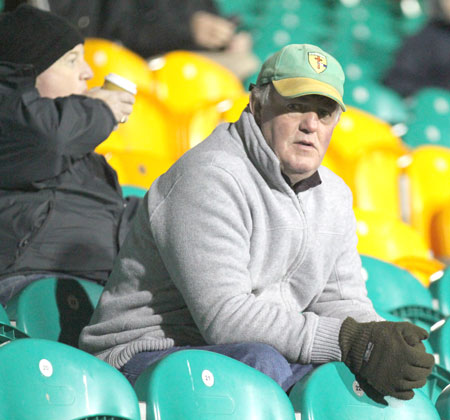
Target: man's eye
x: 324, y: 113
x: 296, y: 108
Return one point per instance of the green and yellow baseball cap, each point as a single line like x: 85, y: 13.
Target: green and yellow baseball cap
x: 304, y: 69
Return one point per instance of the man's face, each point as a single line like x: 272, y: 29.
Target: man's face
x: 298, y: 130
x: 66, y: 76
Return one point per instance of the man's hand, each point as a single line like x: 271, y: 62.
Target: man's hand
x: 387, y: 358
x: 120, y: 102
x: 210, y: 31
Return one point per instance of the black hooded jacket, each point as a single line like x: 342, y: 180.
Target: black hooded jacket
x: 61, y: 206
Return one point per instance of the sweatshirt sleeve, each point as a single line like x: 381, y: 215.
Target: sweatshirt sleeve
x: 207, y: 254
x: 345, y: 293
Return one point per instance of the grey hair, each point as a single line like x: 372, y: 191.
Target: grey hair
x: 262, y: 93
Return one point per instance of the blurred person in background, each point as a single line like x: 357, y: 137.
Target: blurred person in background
x: 247, y: 247
x: 154, y: 27
x: 61, y: 208
x: 424, y: 58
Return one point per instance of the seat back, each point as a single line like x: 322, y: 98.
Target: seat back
x: 4, y: 319
x: 55, y: 309
x: 443, y: 404
x: 7, y: 331
x: 42, y: 380
x: 440, y: 342
x: 331, y: 392
x: 201, y: 385
x: 391, y: 287
x: 440, y: 289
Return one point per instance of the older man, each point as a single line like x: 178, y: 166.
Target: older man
x: 247, y: 247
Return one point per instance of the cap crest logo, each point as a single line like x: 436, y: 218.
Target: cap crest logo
x: 318, y: 62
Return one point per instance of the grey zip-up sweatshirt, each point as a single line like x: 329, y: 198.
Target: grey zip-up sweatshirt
x: 225, y: 252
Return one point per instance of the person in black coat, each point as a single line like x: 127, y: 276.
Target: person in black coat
x: 154, y: 27
x: 424, y: 59
x: 61, y: 207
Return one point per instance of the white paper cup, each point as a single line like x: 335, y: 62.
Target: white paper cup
x: 115, y: 82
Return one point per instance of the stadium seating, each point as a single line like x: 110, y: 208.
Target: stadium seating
x: 357, y: 134
x: 428, y: 177
x: 129, y: 190
x: 331, y: 392
x: 429, y: 121
x: 43, y: 380
x: 376, y: 182
x: 443, y: 404
x: 440, y: 290
x: 54, y: 309
x: 440, y: 342
x: 376, y: 99
x: 396, y: 291
x: 440, y: 233
x: 149, y: 129
x: 7, y: 331
x: 106, y: 57
x: 138, y: 168
x: 198, y: 384
x: 392, y: 240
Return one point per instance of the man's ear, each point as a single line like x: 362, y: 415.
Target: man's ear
x: 255, y: 107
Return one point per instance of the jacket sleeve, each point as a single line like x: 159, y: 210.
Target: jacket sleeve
x: 158, y: 26
x: 73, y: 125
x: 41, y: 137
x: 207, y: 254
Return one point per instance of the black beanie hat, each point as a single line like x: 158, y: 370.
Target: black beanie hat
x: 32, y: 36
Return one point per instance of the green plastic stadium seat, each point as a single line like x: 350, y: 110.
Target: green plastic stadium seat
x: 440, y: 290
x: 55, y: 309
x: 376, y: 99
x: 128, y: 190
x: 443, y: 404
x: 331, y: 392
x: 8, y: 332
x: 391, y: 287
x: 201, y: 385
x: 46, y: 380
x: 4, y: 319
x: 440, y: 342
x: 430, y: 103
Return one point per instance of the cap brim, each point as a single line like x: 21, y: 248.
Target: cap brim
x: 301, y: 86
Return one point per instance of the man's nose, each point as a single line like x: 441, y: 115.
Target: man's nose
x: 309, y: 121
x: 86, y: 72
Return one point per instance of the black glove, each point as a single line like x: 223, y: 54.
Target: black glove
x: 387, y: 358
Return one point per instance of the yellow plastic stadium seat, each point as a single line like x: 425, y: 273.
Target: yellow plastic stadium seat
x: 389, y: 239
x: 440, y: 233
x: 428, y: 177
x: 186, y: 81
x: 105, y: 57
x: 148, y: 129
x: 233, y: 112
x: 422, y: 268
x: 356, y: 134
x: 138, y: 168
x: 331, y: 163
x: 376, y: 182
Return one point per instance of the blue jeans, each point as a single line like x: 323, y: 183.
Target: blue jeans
x: 257, y: 355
